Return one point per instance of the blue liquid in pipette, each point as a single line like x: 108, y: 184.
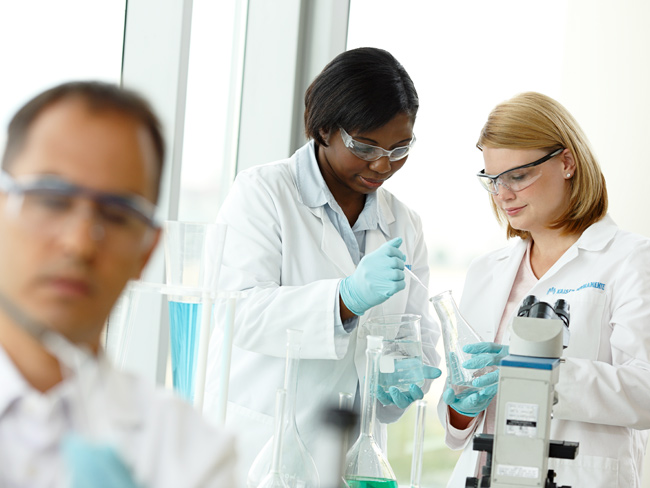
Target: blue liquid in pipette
x: 184, y: 325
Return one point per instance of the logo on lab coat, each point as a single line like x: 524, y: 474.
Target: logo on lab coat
x: 563, y: 291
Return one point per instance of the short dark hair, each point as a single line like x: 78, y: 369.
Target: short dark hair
x: 360, y: 90
x: 99, y: 96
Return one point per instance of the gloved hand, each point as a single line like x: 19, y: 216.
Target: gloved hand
x: 378, y: 277
x: 484, y: 354
x: 95, y: 465
x: 403, y: 399
x: 474, y: 403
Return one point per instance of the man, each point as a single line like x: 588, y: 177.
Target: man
x: 78, y: 187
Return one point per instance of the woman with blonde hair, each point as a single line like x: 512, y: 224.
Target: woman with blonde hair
x: 546, y: 185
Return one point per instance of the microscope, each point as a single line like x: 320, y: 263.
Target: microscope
x: 518, y: 451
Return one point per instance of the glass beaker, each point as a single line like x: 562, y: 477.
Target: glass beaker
x: 400, y: 364
x: 366, y: 465
x: 274, y: 478
x: 456, y: 333
x: 191, y: 269
x: 298, y: 467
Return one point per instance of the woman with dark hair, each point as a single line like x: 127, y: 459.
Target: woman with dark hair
x: 321, y: 246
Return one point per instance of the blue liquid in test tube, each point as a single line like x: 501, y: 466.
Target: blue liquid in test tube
x: 184, y: 326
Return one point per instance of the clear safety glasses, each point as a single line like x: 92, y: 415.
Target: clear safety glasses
x: 515, y: 179
x: 368, y: 152
x: 45, y: 205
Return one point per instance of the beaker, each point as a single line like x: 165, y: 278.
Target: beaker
x: 456, y: 333
x: 298, y: 467
x: 400, y: 364
x: 274, y: 478
x: 366, y: 465
x: 190, y: 267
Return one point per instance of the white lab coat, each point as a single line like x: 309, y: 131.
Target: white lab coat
x: 291, y: 257
x: 604, y: 386
x: 161, y: 438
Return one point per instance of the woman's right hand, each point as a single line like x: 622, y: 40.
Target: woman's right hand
x: 378, y: 277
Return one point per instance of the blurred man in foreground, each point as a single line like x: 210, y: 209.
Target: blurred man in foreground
x: 78, y: 187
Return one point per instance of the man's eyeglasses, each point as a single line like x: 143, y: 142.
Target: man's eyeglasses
x: 368, y: 152
x: 45, y: 204
x: 515, y: 179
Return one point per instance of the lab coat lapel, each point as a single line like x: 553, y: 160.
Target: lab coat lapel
x: 332, y: 244
x: 503, y: 276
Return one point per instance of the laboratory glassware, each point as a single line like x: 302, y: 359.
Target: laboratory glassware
x: 418, y: 443
x: 274, y: 478
x: 456, y: 333
x: 190, y: 250
x: 298, y: 467
x: 400, y: 364
x: 366, y: 465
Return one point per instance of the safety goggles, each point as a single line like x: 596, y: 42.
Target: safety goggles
x: 515, y: 179
x: 368, y: 152
x: 45, y: 204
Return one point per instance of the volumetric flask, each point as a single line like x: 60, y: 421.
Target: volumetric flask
x: 297, y: 466
x: 456, y: 333
x: 400, y: 364
x: 274, y: 478
x: 366, y: 465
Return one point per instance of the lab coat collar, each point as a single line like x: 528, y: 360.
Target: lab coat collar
x: 117, y: 402
x: 309, y: 180
x: 597, y: 236
x: 14, y: 385
x: 313, y: 191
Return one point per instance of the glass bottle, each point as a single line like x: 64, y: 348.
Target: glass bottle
x: 298, y: 467
x: 274, y: 478
x: 456, y: 333
x: 365, y: 464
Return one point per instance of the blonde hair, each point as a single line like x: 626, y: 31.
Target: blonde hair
x: 534, y: 121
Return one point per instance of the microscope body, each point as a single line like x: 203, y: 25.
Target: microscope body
x: 519, y: 449
x: 524, y: 403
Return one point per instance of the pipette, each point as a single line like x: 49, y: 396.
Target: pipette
x: 415, y: 278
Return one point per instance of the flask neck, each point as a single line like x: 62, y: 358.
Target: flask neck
x: 291, y: 379
x: 369, y: 393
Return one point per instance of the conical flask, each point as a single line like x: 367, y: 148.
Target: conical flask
x: 456, y: 333
x: 365, y: 463
x: 274, y: 478
x: 298, y: 467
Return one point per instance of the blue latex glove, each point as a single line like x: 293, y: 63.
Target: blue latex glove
x: 378, y: 277
x: 95, y: 465
x: 484, y: 354
x: 404, y: 398
x: 474, y: 403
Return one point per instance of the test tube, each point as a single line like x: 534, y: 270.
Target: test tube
x: 418, y: 442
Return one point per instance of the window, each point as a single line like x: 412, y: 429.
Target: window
x: 46, y: 43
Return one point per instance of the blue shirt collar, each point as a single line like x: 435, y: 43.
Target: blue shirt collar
x: 315, y: 193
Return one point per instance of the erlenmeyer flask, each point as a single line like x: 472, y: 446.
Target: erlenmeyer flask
x: 456, y: 333
x: 274, y: 478
x: 365, y: 464
x: 298, y: 467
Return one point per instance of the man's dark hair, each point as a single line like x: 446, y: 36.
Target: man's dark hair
x: 359, y: 90
x: 99, y: 96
